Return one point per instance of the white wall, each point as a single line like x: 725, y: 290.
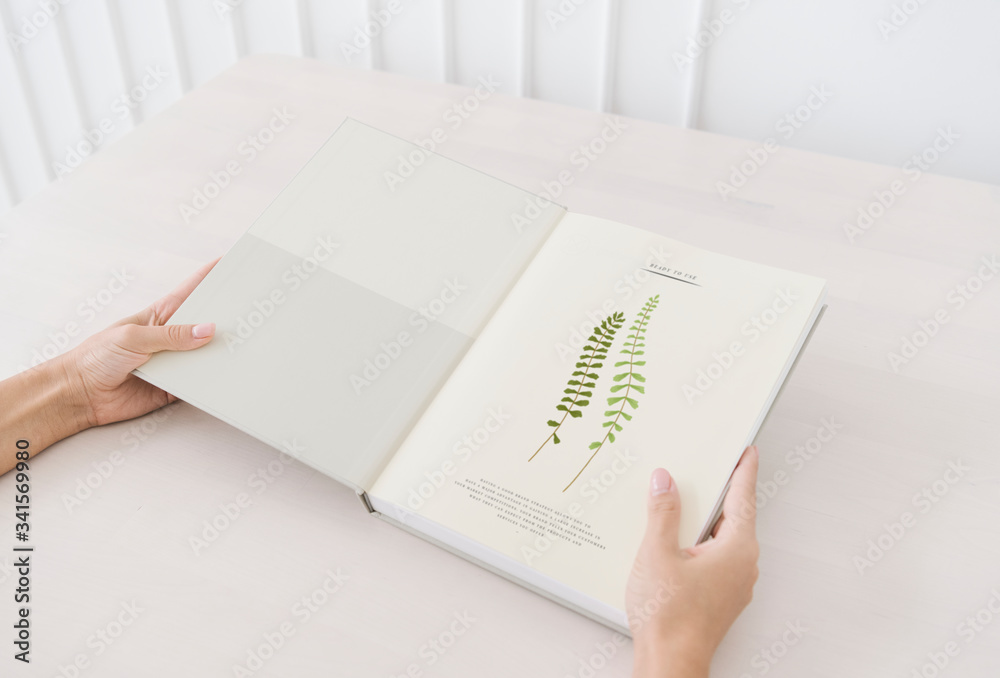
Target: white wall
x: 890, y: 94
x: 636, y: 57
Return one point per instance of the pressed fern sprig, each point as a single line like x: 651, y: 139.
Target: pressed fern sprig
x: 624, y: 390
x: 584, y: 377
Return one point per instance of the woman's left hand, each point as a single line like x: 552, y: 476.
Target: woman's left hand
x: 100, y: 369
x: 93, y: 383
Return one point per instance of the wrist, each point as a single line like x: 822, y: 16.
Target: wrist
x: 72, y: 411
x: 42, y: 406
x: 54, y: 405
x: 662, y: 656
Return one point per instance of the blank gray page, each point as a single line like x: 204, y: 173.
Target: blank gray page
x: 351, y: 298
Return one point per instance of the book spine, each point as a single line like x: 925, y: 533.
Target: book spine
x: 363, y: 496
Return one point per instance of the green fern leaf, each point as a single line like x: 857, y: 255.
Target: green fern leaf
x: 584, y: 375
x: 630, y: 387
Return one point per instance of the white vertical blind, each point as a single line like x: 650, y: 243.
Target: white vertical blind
x: 897, y: 72
x: 61, y: 76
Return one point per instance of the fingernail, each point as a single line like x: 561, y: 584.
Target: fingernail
x: 753, y: 451
x: 203, y: 330
x: 660, y: 482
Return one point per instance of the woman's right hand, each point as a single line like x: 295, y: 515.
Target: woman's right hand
x: 681, y: 602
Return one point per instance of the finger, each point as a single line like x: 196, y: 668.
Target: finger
x: 708, y: 543
x: 147, y: 339
x: 664, y: 511
x: 718, y: 525
x: 140, y: 318
x: 163, y: 308
x: 739, y: 510
x: 698, y: 549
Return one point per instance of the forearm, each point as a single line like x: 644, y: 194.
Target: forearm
x: 38, y: 406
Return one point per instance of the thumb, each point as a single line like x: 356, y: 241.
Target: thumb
x: 664, y: 510
x: 154, y: 338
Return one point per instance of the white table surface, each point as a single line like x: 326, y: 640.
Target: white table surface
x: 201, y: 614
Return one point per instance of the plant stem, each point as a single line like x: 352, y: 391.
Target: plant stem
x: 624, y: 400
x: 599, y: 334
x: 610, y: 429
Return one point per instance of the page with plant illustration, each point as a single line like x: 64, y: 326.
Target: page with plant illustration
x: 616, y: 352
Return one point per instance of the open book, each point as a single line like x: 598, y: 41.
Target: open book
x: 486, y: 369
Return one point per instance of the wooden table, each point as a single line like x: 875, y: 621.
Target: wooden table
x: 116, y: 558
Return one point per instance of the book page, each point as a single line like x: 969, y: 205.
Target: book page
x: 617, y: 351
x: 347, y: 303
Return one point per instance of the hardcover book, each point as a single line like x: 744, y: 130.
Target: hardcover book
x: 487, y: 369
